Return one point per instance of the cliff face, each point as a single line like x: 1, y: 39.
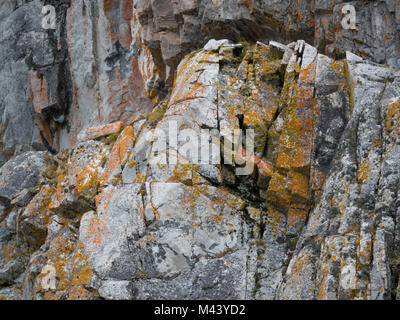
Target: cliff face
x: 99, y: 199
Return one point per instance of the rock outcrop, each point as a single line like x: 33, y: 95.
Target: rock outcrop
x: 173, y: 28
x: 199, y: 150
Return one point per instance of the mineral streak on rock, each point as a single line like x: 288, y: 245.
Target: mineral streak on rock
x: 89, y: 209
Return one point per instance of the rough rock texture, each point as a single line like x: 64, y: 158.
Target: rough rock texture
x: 173, y: 28
x: 107, y: 61
x: 307, y: 210
x: 34, y: 77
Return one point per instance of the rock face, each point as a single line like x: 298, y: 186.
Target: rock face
x: 107, y: 61
x: 173, y: 27
x: 34, y: 78
x: 259, y: 166
x: 20, y: 174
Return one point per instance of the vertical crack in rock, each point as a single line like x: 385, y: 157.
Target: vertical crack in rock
x: 101, y: 194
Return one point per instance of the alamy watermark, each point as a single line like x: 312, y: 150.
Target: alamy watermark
x: 209, y: 147
x: 194, y: 148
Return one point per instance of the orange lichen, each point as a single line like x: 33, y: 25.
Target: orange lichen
x: 101, y: 131
x: 295, y: 143
x: 249, y: 4
x: 300, y: 189
x: 279, y: 190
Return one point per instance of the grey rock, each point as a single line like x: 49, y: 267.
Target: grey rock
x: 21, y: 173
x: 116, y: 290
x: 23, y: 198
x: 214, y: 45
x: 318, y: 215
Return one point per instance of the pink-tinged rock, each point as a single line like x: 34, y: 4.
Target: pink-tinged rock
x: 101, y: 131
x: 38, y: 91
x: 118, y: 153
x: 106, y: 77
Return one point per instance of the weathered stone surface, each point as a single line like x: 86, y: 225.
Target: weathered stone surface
x: 21, y: 173
x: 33, y: 78
x: 107, y: 61
x: 159, y: 200
x: 299, y: 225
x: 13, y: 258
x: 34, y: 219
x: 101, y: 131
x: 174, y: 28
x: 105, y: 70
x: 161, y: 238
x: 78, y: 178
x: 351, y: 230
x: 118, y: 155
